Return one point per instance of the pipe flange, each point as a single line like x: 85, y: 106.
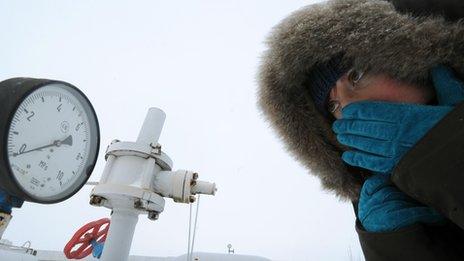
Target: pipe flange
x: 145, y: 151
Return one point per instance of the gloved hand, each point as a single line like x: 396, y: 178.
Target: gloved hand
x: 382, y: 207
x: 381, y: 133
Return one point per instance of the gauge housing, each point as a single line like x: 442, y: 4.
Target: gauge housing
x: 12, y: 94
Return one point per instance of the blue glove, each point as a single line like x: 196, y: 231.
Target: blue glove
x: 382, y: 207
x: 381, y: 133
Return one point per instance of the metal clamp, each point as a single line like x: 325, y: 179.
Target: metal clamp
x: 125, y: 148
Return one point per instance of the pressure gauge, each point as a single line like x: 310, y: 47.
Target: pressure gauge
x: 50, y: 139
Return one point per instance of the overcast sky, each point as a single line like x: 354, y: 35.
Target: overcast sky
x: 197, y: 61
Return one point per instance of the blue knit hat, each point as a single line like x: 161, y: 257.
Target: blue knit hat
x: 322, y: 78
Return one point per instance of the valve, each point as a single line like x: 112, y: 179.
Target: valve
x: 137, y: 178
x: 90, y: 237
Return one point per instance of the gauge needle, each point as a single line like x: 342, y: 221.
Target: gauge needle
x: 57, y: 143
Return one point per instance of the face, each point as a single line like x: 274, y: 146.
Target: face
x: 376, y: 87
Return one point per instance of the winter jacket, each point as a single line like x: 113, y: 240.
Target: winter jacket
x: 451, y: 10
x: 432, y: 172
x: 374, y: 36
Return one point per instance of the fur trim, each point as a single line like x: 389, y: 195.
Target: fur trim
x: 373, y: 36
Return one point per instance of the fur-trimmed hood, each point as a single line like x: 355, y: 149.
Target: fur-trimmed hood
x: 373, y: 36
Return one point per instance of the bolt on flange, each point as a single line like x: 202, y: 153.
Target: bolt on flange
x: 97, y: 201
x: 153, y: 215
x: 192, y: 199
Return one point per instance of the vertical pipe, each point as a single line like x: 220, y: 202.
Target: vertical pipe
x: 152, y: 126
x: 120, y: 234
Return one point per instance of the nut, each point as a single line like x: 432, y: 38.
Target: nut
x: 139, y: 204
x: 192, y: 199
x: 96, y: 200
x: 156, y: 149
x: 153, y: 215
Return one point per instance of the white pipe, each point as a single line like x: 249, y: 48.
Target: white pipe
x: 203, y: 187
x: 171, y: 184
x: 120, y: 234
x: 152, y: 126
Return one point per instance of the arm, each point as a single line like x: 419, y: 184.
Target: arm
x: 415, y: 242
x: 433, y: 170
x: 392, y: 226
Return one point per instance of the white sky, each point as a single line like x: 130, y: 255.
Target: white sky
x: 197, y: 61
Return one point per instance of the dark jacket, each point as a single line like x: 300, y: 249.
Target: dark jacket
x: 452, y: 10
x: 432, y: 172
x: 372, y: 35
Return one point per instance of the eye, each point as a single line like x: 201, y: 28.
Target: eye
x: 354, y: 76
x: 333, y: 106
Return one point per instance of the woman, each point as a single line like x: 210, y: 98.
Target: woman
x: 315, y: 58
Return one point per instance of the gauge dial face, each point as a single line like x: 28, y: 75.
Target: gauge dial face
x: 52, y: 142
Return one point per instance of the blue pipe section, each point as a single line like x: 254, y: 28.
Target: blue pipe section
x: 7, y: 202
x: 97, y: 248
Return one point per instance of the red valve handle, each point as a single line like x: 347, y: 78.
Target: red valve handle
x: 95, y: 230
